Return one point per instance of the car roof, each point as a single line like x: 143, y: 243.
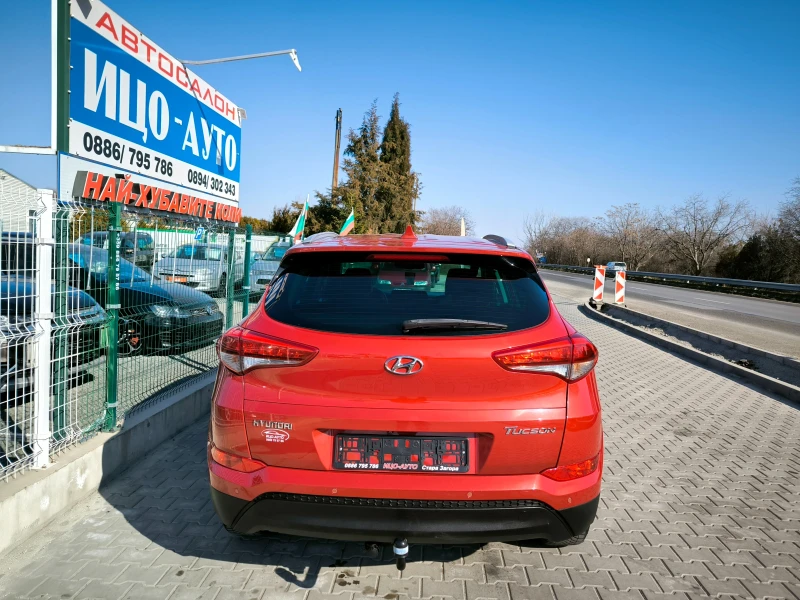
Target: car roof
x: 395, y: 242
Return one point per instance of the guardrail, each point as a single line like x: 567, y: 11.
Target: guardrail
x: 716, y: 281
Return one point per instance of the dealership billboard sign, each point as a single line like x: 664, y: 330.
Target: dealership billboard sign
x: 141, y: 112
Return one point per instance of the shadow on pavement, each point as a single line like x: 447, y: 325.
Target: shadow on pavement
x: 166, y: 505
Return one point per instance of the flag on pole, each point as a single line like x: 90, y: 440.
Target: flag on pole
x: 297, y: 230
x: 349, y: 223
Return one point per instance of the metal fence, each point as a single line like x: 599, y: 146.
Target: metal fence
x: 102, y: 311
x: 678, y: 278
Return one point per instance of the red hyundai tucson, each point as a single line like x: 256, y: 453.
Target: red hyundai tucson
x: 461, y: 410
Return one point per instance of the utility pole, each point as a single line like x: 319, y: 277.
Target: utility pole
x: 337, y: 144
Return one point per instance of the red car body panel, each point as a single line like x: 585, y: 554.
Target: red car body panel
x: 518, y: 424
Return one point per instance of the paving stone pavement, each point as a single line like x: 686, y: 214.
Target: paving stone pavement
x: 701, y: 498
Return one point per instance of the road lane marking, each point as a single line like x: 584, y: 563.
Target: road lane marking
x: 707, y: 300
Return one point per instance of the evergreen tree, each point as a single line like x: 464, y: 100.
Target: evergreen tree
x: 400, y: 186
x: 379, y: 184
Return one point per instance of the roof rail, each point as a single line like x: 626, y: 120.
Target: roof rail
x: 317, y: 237
x: 499, y: 240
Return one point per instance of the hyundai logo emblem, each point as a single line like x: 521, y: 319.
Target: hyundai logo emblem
x: 403, y: 365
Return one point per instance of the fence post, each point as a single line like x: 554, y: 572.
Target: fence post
x: 60, y: 368
x: 112, y: 308
x: 44, y: 316
x: 230, y: 281
x: 248, y: 242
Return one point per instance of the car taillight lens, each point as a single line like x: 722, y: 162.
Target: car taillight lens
x: 570, y: 358
x: 234, y: 461
x: 242, y: 350
x: 574, y: 471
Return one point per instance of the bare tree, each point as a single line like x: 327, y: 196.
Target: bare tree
x: 447, y: 221
x: 633, y: 233
x: 535, y: 229
x: 696, y: 230
x: 789, y: 214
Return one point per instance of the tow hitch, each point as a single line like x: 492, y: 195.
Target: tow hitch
x: 400, y: 549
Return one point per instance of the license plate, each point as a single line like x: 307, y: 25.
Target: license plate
x: 176, y: 279
x: 398, y: 453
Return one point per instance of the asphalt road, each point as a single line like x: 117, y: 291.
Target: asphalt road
x: 767, y: 324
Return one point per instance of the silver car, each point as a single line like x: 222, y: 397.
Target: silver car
x: 201, y: 266
x: 613, y: 267
x: 263, y: 269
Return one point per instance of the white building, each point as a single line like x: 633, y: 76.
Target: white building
x: 19, y: 203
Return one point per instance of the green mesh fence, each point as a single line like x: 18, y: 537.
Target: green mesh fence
x: 180, y: 285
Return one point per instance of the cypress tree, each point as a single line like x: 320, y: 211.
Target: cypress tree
x: 400, y: 186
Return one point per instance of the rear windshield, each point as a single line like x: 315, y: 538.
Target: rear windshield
x: 197, y: 252
x: 443, y: 295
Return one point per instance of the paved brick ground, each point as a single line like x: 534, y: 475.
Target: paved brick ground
x: 701, y: 498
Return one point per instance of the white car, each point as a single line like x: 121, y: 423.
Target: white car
x: 613, y: 267
x: 263, y: 269
x: 201, y: 266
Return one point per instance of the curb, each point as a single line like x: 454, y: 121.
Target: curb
x: 786, y: 360
x: 770, y: 384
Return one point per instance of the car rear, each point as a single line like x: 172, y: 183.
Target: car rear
x: 460, y: 411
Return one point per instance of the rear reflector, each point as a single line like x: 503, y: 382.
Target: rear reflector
x: 574, y: 471
x: 570, y: 358
x: 242, y: 350
x: 234, y: 461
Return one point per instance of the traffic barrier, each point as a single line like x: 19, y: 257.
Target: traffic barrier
x: 619, y: 288
x: 599, y: 282
x: 648, y: 276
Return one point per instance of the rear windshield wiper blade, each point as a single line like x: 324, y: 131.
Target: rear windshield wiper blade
x: 444, y: 324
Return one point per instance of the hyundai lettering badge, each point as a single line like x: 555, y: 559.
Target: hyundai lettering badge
x: 403, y: 365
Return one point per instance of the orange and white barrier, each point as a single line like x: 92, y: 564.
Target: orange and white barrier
x: 599, y: 282
x: 619, y: 288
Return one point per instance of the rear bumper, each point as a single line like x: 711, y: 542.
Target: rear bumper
x: 419, y: 521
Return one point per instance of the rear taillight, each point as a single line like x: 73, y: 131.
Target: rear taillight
x: 570, y: 358
x: 234, y: 461
x: 242, y: 350
x: 228, y: 445
x: 574, y: 471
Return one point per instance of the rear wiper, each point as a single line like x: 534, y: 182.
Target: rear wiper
x: 443, y: 324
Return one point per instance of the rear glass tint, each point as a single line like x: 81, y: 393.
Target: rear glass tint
x: 347, y: 292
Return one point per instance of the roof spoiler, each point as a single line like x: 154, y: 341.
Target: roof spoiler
x: 499, y: 240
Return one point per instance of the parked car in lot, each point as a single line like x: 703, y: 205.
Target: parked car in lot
x: 136, y: 247
x: 154, y: 314
x: 613, y: 267
x: 263, y: 269
x: 347, y: 408
x: 201, y: 266
x: 18, y: 327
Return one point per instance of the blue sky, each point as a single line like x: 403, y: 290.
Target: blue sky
x: 568, y: 107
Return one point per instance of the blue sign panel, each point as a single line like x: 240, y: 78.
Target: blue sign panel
x: 135, y: 107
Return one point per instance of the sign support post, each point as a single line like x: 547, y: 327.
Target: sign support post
x: 112, y: 309
x: 248, y: 243
x: 230, y: 281
x: 60, y: 132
